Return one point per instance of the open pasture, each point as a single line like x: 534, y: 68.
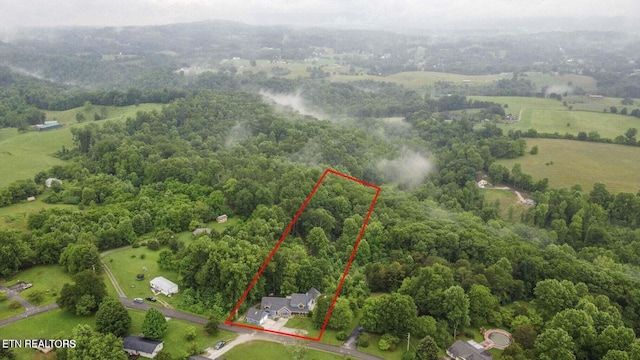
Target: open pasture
x: 581, y: 162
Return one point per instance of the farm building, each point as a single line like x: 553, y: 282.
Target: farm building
x: 136, y: 345
x: 48, y: 125
x: 162, y: 285
x: 221, y: 219
x: 199, y: 231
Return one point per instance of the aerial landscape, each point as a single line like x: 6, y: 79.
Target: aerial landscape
x: 341, y: 180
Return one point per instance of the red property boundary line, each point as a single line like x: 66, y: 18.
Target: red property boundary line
x: 285, y: 234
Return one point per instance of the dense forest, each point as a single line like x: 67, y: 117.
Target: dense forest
x: 572, y: 258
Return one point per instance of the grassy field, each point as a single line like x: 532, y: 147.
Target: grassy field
x: 125, y: 264
x: 549, y: 80
x: 15, y: 216
x: 47, y: 278
x: 506, y: 198
x: 584, y: 163
x: 25, y: 154
x: 273, y: 351
x: 5, y: 312
x: 598, y: 105
x: 420, y: 79
x: 43, y: 326
x: 550, y: 116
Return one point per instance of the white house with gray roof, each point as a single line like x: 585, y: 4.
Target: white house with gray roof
x: 275, y: 307
x: 136, y: 345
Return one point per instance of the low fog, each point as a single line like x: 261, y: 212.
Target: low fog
x: 409, y: 169
x: 293, y: 101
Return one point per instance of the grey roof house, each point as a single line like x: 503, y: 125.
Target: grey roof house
x: 274, y: 307
x: 136, y: 345
x: 468, y: 350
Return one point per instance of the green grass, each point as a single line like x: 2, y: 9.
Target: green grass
x: 186, y: 235
x: 15, y: 216
x: 396, y: 354
x: 273, y: 351
x: 584, y: 163
x: 46, y: 278
x: 174, y: 341
x: 304, y: 323
x: 420, y: 79
x: 5, y: 312
x: 550, y: 116
x: 43, y: 326
x: 506, y: 198
x: 25, y: 154
x: 125, y: 266
x: 598, y: 105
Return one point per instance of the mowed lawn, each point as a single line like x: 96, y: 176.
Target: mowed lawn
x: 46, y: 278
x: 48, y: 325
x: 584, y: 163
x: 265, y: 350
x: 15, y: 216
x: 126, y: 263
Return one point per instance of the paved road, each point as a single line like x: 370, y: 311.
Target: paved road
x: 26, y: 314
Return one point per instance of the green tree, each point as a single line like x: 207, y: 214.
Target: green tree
x: 341, y: 316
x: 93, y: 345
x: 154, y: 325
x: 554, y: 344
x: 80, y: 117
x: 482, y: 304
x: 456, y: 305
x: 616, y: 354
x: 190, y: 333
x: 112, y: 317
x: 428, y: 349
x: 79, y: 257
x: 211, y: 327
x: 87, y: 285
x: 389, y: 313
x: 553, y: 296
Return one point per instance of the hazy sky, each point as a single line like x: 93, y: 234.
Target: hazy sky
x: 352, y: 13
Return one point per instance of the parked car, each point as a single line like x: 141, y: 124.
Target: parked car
x: 138, y: 300
x: 220, y: 344
x: 151, y: 298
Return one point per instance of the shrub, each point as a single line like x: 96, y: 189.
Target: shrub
x: 36, y: 296
x: 341, y: 335
x: 133, y: 255
x: 142, y: 256
x: 153, y: 244
x: 3, y: 296
x: 190, y: 333
x: 363, y: 341
x: 391, y: 340
x: 14, y: 304
x: 135, y: 245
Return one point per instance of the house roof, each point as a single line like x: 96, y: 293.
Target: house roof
x: 313, y: 293
x: 198, y: 357
x: 163, y: 283
x: 255, y: 314
x: 464, y: 350
x: 292, y: 303
x: 137, y: 343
